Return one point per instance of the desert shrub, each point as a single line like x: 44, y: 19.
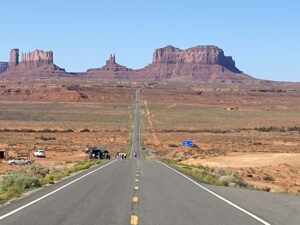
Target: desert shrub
x: 266, y: 189
x: 86, y: 164
x: 215, y: 176
x: 195, y: 146
x: 56, y: 175
x: 268, y: 177
x: 294, y: 129
x: 37, y: 170
x: 85, y: 130
x: 44, y: 138
x: 172, y: 145
x: 270, y: 129
x: 19, y: 180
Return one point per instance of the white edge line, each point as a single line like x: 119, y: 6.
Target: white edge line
x: 52, y: 192
x: 219, y: 196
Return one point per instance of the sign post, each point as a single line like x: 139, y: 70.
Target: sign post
x: 187, y: 143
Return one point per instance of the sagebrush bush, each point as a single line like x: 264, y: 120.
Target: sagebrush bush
x: 215, y: 176
x: 20, y: 180
x: 37, y: 170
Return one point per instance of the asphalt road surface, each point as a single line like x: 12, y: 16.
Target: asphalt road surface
x: 136, y: 144
x: 137, y: 191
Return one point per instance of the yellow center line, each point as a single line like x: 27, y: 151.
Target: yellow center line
x: 134, y: 220
x: 135, y: 199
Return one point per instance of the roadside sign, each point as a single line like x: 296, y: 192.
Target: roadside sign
x: 188, y: 143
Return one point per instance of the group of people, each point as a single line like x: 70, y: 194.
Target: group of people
x: 122, y: 155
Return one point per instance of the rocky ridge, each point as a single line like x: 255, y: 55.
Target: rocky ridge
x: 203, y: 63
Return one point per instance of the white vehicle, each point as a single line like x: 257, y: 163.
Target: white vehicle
x: 19, y: 161
x: 39, y: 153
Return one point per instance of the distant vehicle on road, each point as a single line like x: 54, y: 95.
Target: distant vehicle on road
x: 98, y: 153
x: 19, y: 161
x: 39, y: 153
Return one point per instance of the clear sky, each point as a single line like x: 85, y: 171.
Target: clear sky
x: 263, y: 36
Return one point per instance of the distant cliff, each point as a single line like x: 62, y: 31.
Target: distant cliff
x: 199, y: 55
x: 37, y: 57
x: 37, y: 63
x: 203, y: 63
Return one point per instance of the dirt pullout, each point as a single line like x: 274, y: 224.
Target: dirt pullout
x: 278, y: 172
x: 254, y: 159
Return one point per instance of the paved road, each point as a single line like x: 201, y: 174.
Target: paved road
x: 136, y: 145
x: 148, y: 193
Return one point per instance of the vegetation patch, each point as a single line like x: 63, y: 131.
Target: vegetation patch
x: 214, y: 176
x: 17, y: 182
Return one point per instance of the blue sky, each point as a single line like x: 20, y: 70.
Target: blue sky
x: 262, y: 36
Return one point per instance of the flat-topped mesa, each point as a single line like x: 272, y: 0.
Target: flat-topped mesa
x: 37, y: 57
x: 199, y: 55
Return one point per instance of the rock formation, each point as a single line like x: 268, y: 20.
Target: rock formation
x: 202, y: 63
x: 33, y: 64
x: 111, y: 70
x: 199, y: 55
x: 14, y: 57
x: 111, y: 60
x: 3, y: 66
x: 37, y: 57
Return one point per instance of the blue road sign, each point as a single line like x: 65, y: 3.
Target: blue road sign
x: 188, y: 143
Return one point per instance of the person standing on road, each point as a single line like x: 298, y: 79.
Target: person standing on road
x: 135, y: 155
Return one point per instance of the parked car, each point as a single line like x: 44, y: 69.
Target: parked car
x: 97, y: 152
x: 19, y: 161
x: 39, y: 153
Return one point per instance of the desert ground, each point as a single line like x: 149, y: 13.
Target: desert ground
x: 253, y: 130
x: 62, y: 125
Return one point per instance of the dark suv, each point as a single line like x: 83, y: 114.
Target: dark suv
x: 98, y: 153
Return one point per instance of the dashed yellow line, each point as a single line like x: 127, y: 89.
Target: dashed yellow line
x: 134, y: 220
x: 136, y: 188
x: 135, y: 199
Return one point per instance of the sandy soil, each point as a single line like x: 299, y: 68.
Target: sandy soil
x: 278, y: 172
x: 245, y: 160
